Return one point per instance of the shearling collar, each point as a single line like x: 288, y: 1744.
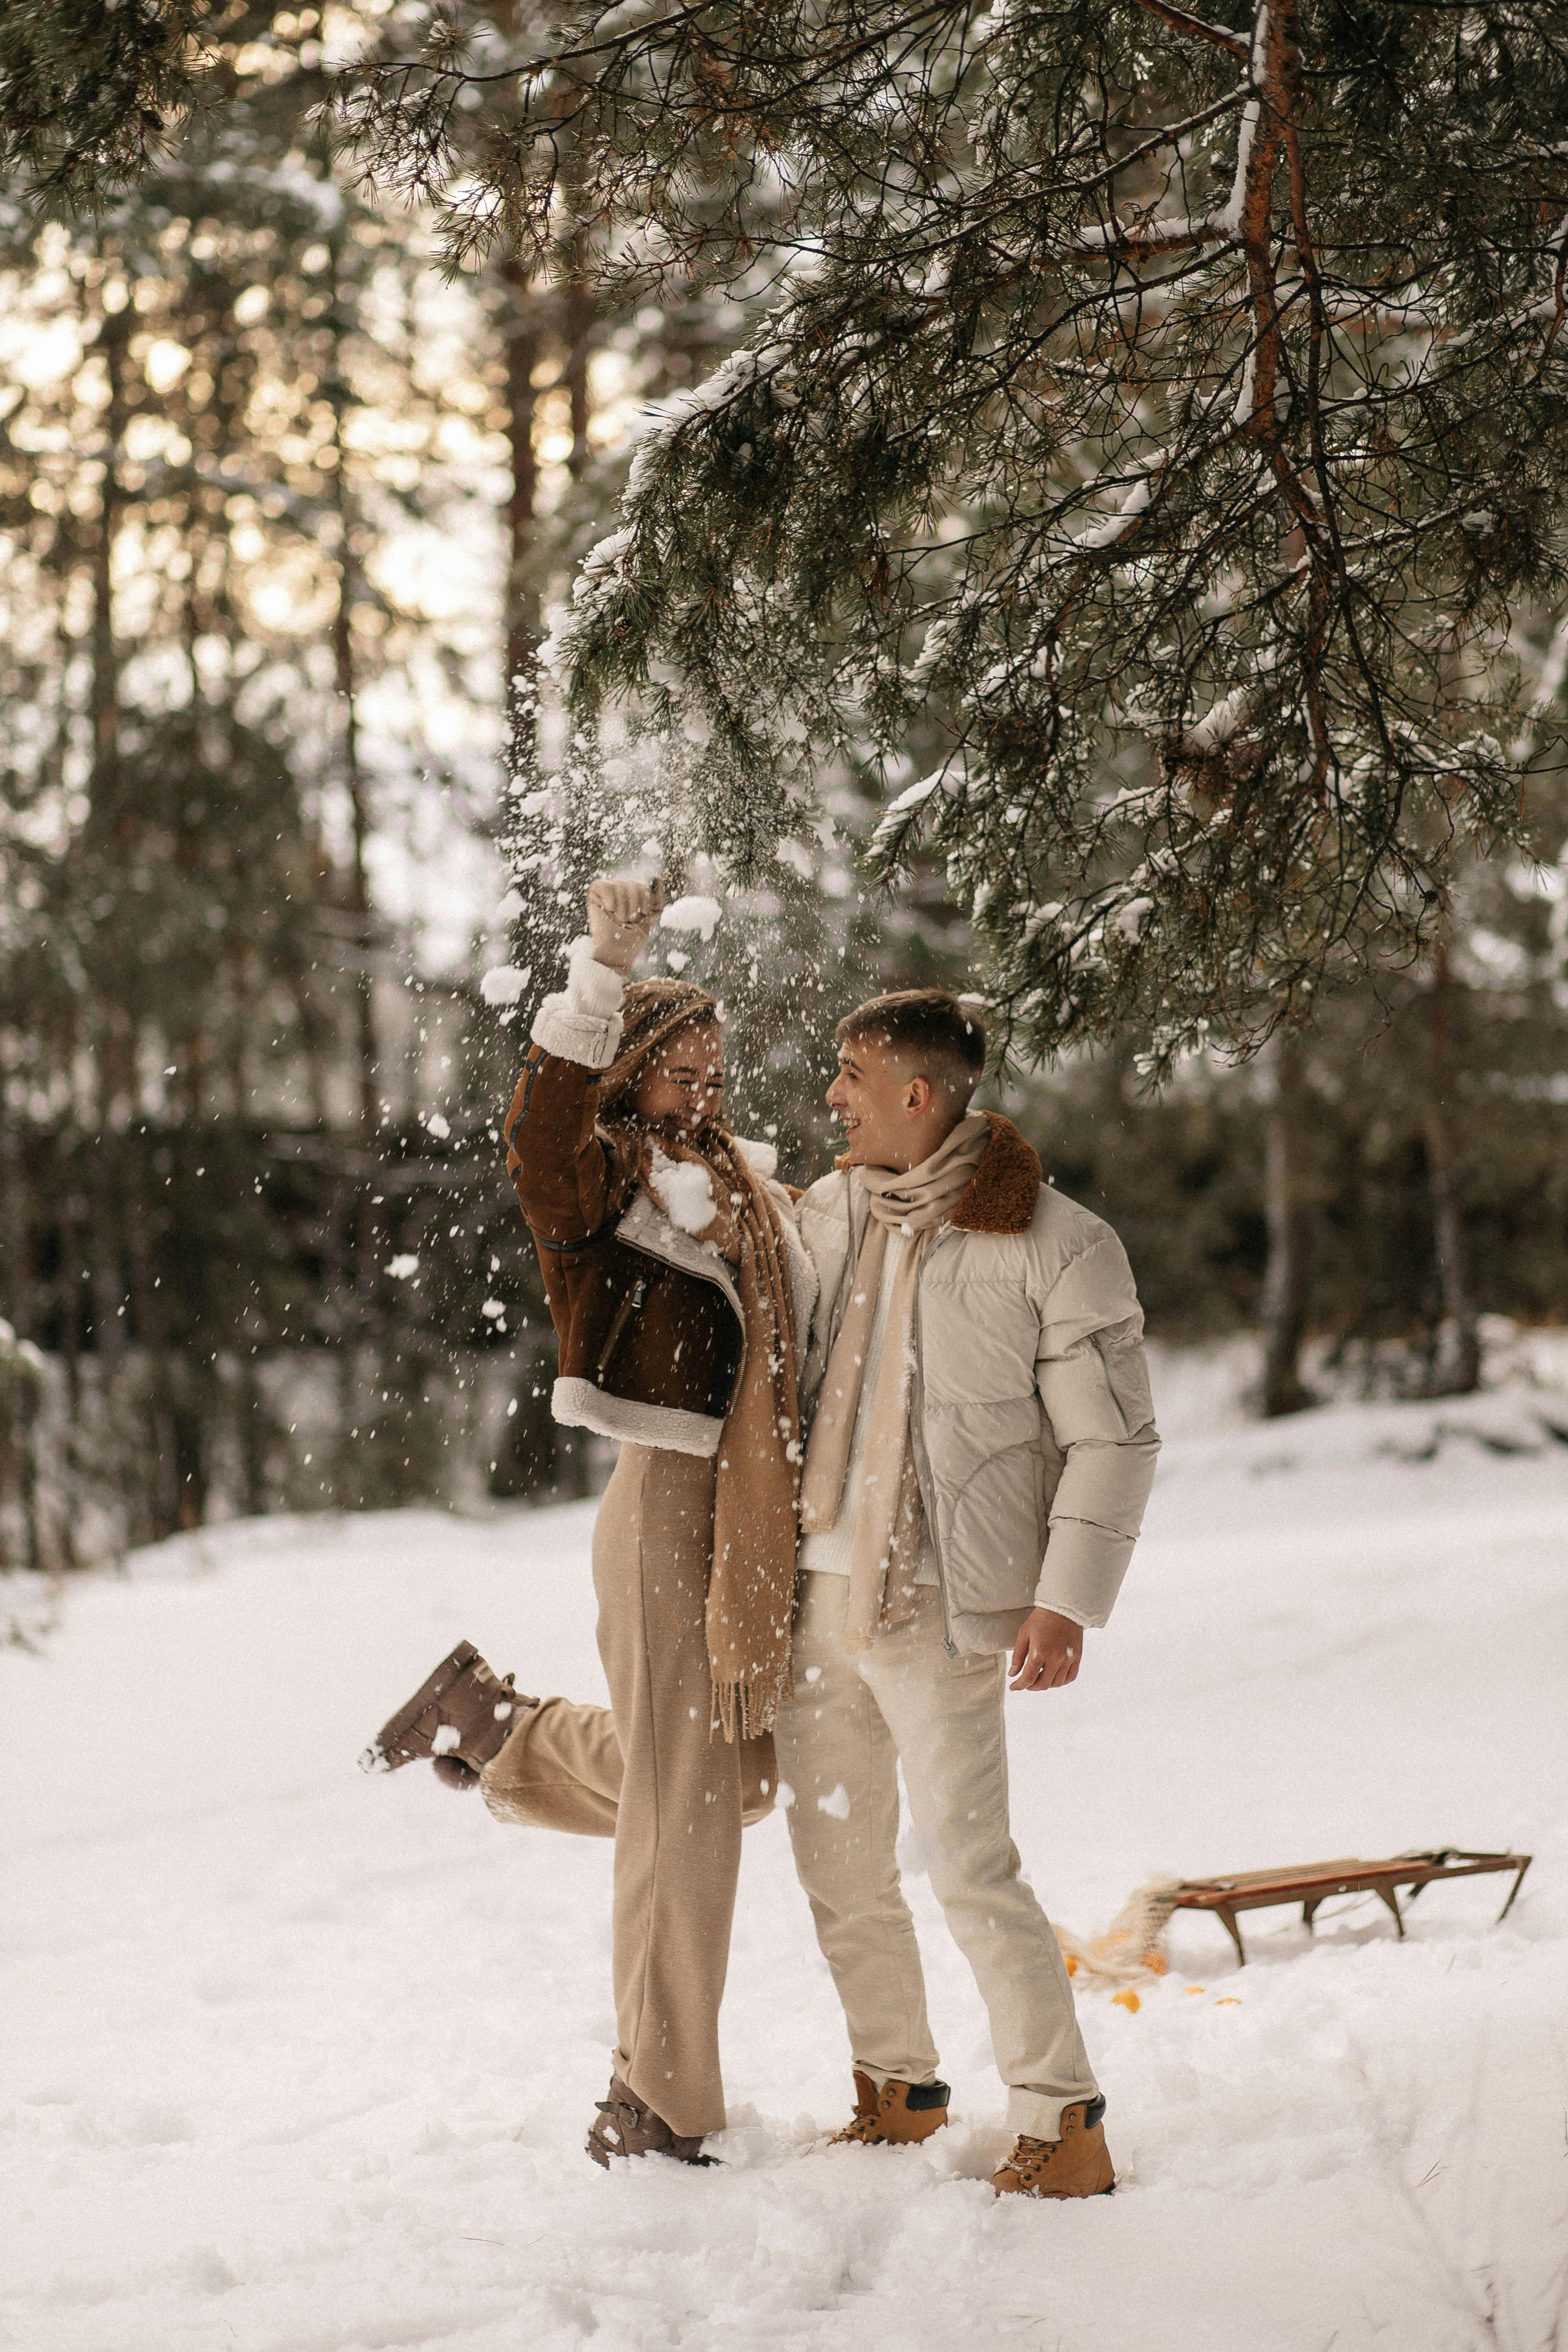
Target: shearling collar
x: 1001, y: 1195
x: 1003, y: 1189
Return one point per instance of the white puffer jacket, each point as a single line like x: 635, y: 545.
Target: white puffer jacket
x: 1032, y: 1420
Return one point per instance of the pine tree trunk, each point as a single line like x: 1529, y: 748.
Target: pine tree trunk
x: 16, y: 1203
x: 17, y: 1512
x: 113, y: 823
x: 355, y: 1224
x: 106, y: 1242
x: 1457, y: 1368
x: 520, y: 342
x: 578, y: 303
x: 1287, y: 1282
x: 522, y: 325
x: 367, y: 1057
x: 114, y: 334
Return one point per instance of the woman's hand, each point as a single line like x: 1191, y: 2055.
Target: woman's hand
x: 620, y: 916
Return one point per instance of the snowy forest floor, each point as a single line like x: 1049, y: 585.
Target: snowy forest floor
x: 300, y: 2062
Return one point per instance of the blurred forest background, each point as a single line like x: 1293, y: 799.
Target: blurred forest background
x: 282, y: 511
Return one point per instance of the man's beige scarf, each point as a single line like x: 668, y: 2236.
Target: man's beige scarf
x: 885, y: 1553
x: 750, y: 1590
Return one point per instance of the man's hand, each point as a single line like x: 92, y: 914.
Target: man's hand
x: 620, y: 916
x: 1048, y: 1652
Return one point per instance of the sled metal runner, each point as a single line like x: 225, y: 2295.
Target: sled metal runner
x: 1314, y: 1883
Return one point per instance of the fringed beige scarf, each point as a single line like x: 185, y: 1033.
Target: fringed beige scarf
x: 886, y: 1551
x: 750, y: 1590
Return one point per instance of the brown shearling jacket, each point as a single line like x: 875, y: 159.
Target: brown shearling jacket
x: 647, y: 1318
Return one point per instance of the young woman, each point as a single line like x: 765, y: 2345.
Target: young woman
x: 681, y: 1298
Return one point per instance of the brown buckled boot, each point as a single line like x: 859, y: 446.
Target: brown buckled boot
x: 894, y: 2116
x: 460, y: 1717
x: 1077, y: 2165
x: 627, y: 2127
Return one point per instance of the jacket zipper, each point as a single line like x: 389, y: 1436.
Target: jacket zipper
x: 717, y: 1282
x: 918, y: 1445
x: 630, y: 1305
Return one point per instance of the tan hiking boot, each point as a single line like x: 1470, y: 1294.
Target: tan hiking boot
x: 627, y: 2127
x: 894, y: 2116
x: 460, y: 1717
x: 1077, y: 2165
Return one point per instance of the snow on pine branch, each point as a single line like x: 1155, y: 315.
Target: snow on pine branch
x: 1116, y: 448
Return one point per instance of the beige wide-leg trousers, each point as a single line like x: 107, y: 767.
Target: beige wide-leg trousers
x: 854, y: 1719
x: 647, y: 1771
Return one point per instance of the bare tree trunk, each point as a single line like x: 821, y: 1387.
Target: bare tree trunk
x: 1457, y: 1366
x: 1286, y: 1283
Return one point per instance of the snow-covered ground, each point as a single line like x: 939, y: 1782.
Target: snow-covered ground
x: 300, y: 2062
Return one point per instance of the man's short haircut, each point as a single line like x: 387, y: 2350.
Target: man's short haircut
x: 929, y: 1025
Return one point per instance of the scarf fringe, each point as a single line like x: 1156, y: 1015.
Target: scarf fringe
x: 746, y: 1709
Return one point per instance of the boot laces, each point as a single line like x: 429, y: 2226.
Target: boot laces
x: 1031, y: 2158
x: 863, y: 2129
x: 864, y: 2126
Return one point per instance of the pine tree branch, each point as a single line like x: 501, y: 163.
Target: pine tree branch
x: 92, y: 90
x: 1149, y: 527
x: 1182, y: 21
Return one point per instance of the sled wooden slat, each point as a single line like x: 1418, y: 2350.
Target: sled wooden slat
x: 1314, y: 1883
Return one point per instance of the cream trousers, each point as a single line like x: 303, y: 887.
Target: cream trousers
x: 645, y: 1771
x: 854, y: 1719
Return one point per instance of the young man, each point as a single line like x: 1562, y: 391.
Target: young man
x: 980, y: 1454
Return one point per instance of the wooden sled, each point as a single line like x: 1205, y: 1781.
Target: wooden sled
x: 1315, y: 1882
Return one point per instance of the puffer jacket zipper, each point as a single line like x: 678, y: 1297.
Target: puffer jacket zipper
x: 923, y: 1478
